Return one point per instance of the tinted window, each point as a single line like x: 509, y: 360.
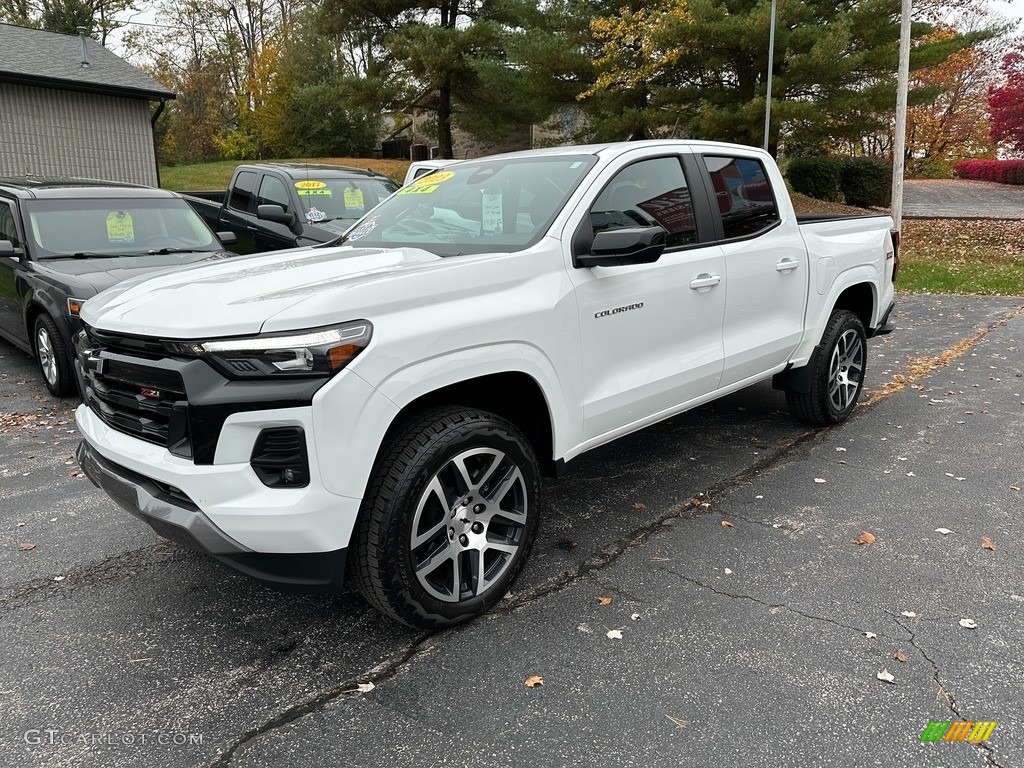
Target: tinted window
x: 8, y: 230
x: 744, y: 195
x: 241, y: 193
x: 648, y: 193
x: 327, y: 199
x: 115, y: 226
x: 273, y: 192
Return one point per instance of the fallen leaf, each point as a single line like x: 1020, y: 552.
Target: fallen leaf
x: 634, y: 616
x: 901, y: 656
x: 58, y: 578
x: 533, y: 681
x: 727, y: 524
x: 968, y: 623
x: 870, y: 635
x: 365, y: 687
x: 584, y: 628
x: 728, y: 572
x: 865, y: 538
x: 911, y: 474
x: 1015, y: 488
x: 840, y: 450
x: 26, y: 546
x: 678, y: 722
x: 909, y: 614
x: 886, y: 677
x: 987, y: 543
x: 614, y: 634
x: 943, y: 531
x: 604, y: 600
x: 639, y: 505
x: 819, y: 480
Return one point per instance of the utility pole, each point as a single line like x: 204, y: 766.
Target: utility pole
x: 771, y: 66
x: 900, y: 139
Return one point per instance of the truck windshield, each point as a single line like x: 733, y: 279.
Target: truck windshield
x: 326, y: 199
x: 476, y: 206
x: 115, y: 227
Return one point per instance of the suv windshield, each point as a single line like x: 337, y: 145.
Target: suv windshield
x: 115, y: 226
x: 476, y: 206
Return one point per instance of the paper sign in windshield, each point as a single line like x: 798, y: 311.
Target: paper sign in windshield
x: 353, y: 197
x: 120, y: 228
x: 491, y: 213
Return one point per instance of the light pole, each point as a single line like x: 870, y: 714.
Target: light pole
x: 900, y: 139
x: 771, y: 66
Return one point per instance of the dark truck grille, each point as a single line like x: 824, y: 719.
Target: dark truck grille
x: 128, y: 388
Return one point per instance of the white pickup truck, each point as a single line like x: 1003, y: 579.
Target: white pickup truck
x: 384, y: 406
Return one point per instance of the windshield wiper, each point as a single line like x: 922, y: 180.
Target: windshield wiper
x: 81, y: 255
x: 165, y: 251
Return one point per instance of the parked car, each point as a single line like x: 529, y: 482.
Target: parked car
x: 271, y: 206
x: 387, y: 406
x: 64, y: 240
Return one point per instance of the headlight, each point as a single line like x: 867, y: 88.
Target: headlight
x: 315, y: 352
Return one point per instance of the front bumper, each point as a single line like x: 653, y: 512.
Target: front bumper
x: 169, y: 511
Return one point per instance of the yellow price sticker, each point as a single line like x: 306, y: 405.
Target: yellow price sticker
x: 353, y: 197
x: 120, y: 228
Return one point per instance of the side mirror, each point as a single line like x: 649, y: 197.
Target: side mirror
x: 275, y: 213
x: 7, y: 249
x: 622, y: 247
x: 227, y: 238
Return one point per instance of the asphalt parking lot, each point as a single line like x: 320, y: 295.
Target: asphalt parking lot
x: 721, y: 645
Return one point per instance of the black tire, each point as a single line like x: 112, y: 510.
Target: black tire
x: 52, y: 357
x: 837, y: 373
x: 417, y: 482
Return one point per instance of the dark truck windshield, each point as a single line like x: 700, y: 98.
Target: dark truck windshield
x: 115, y: 226
x: 475, y: 206
x: 326, y: 199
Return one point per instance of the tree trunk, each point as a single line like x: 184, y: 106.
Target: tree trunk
x: 444, y: 117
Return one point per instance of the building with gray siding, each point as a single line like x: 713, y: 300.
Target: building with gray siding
x: 70, y: 107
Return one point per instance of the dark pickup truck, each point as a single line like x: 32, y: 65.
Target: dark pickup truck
x: 63, y: 241
x: 271, y: 206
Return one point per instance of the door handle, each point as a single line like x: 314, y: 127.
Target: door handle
x: 704, y: 281
x: 251, y: 228
x: 786, y: 265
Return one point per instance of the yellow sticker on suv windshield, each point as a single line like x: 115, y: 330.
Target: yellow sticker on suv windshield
x: 310, y: 184
x: 120, y: 228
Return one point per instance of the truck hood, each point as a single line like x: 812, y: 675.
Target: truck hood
x: 240, y: 296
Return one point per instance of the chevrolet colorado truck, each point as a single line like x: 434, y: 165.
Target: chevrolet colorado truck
x: 383, y: 407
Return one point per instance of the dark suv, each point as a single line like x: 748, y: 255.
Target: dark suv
x: 64, y: 241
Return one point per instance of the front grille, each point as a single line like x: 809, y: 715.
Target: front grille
x: 135, y: 395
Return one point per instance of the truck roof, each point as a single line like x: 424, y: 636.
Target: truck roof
x: 301, y: 170
x: 29, y: 187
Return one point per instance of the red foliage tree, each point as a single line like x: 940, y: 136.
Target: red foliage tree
x: 1006, y: 102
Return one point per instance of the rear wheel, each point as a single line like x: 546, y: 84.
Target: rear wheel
x: 449, y: 517
x: 52, y: 357
x: 837, y: 374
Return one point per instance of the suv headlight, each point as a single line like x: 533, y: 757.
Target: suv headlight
x: 317, y: 352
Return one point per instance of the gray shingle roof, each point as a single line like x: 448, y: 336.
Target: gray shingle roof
x: 36, y: 57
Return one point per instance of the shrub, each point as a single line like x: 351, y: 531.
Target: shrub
x: 817, y: 177
x: 929, y: 168
x: 1000, y: 171
x: 866, y: 182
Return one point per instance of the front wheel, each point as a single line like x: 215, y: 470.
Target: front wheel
x: 52, y: 357
x: 837, y: 373
x: 449, y: 517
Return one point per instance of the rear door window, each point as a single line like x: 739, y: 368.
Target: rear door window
x: 743, y: 195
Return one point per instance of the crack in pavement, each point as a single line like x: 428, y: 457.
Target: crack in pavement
x: 943, y: 692
x: 784, y: 606
x: 389, y: 668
